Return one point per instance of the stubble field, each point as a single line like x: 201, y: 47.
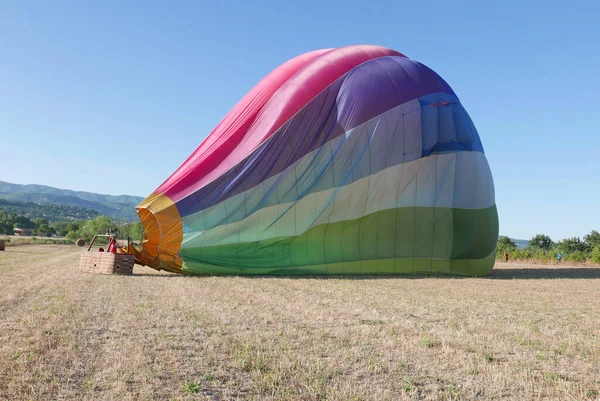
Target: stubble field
x: 526, y: 332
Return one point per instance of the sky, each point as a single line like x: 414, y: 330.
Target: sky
x: 112, y: 96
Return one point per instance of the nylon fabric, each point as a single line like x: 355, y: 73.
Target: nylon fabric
x: 357, y: 160
x: 397, y: 140
x: 329, y: 115
x: 315, y: 73
x: 426, y: 182
x: 404, y: 266
x: 402, y: 233
x: 163, y: 233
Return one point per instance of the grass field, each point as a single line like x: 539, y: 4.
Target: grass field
x: 527, y: 332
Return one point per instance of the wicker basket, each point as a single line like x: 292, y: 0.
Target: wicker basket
x: 106, y: 262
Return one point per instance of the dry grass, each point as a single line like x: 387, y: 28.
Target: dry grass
x: 15, y: 240
x: 528, y: 332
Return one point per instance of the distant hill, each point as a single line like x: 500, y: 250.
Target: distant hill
x: 521, y: 243
x: 121, y: 207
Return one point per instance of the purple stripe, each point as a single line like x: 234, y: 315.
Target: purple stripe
x: 361, y: 94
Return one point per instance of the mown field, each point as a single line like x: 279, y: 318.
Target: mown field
x: 527, y: 332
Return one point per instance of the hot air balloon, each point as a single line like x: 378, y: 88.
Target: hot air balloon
x: 354, y: 160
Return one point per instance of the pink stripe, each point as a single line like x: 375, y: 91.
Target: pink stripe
x: 263, y: 111
x: 231, y: 130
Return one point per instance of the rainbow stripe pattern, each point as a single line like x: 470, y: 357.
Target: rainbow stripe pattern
x: 355, y: 160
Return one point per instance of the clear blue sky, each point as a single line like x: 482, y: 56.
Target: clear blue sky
x: 151, y: 79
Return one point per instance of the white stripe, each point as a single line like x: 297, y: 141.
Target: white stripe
x: 456, y: 180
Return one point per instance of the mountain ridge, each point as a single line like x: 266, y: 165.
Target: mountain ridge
x: 39, y: 188
x: 119, y: 207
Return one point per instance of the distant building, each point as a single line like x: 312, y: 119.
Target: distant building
x: 23, y: 231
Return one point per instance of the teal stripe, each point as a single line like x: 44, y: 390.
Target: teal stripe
x: 458, y: 180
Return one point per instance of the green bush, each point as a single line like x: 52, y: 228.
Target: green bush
x: 577, y: 256
x: 574, y: 250
x: 595, y: 255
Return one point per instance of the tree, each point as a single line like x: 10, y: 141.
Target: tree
x: 541, y: 241
x: 43, y: 230
x: 73, y: 235
x: 132, y: 230
x: 136, y: 231
x: 75, y: 225
x: 592, y: 239
x: 41, y: 222
x: 506, y: 244
x: 571, y: 245
x: 6, y: 227
x: 97, y: 226
x: 124, y: 230
x: 61, y: 228
x: 22, y: 221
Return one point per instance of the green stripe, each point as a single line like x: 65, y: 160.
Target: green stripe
x: 393, y: 241
x: 462, y: 267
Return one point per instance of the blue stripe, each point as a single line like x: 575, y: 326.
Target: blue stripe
x: 446, y: 126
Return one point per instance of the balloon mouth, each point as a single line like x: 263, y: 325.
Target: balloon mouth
x: 163, y: 233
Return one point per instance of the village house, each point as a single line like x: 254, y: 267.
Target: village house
x: 23, y: 231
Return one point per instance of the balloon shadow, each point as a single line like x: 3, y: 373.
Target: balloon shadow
x: 545, y: 273
x: 497, y: 274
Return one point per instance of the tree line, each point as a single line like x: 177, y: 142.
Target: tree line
x: 101, y: 224
x: 51, y: 212
x: 542, y: 247
x: 73, y: 230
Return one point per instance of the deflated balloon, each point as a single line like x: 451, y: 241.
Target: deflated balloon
x: 356, y: 160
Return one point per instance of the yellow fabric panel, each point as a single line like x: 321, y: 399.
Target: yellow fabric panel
x: 163, y: 233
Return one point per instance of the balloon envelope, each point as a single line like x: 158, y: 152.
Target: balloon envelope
x: 356, y: 160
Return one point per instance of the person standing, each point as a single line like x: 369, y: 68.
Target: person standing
x: 113, y: 246
x: 506, y: 256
